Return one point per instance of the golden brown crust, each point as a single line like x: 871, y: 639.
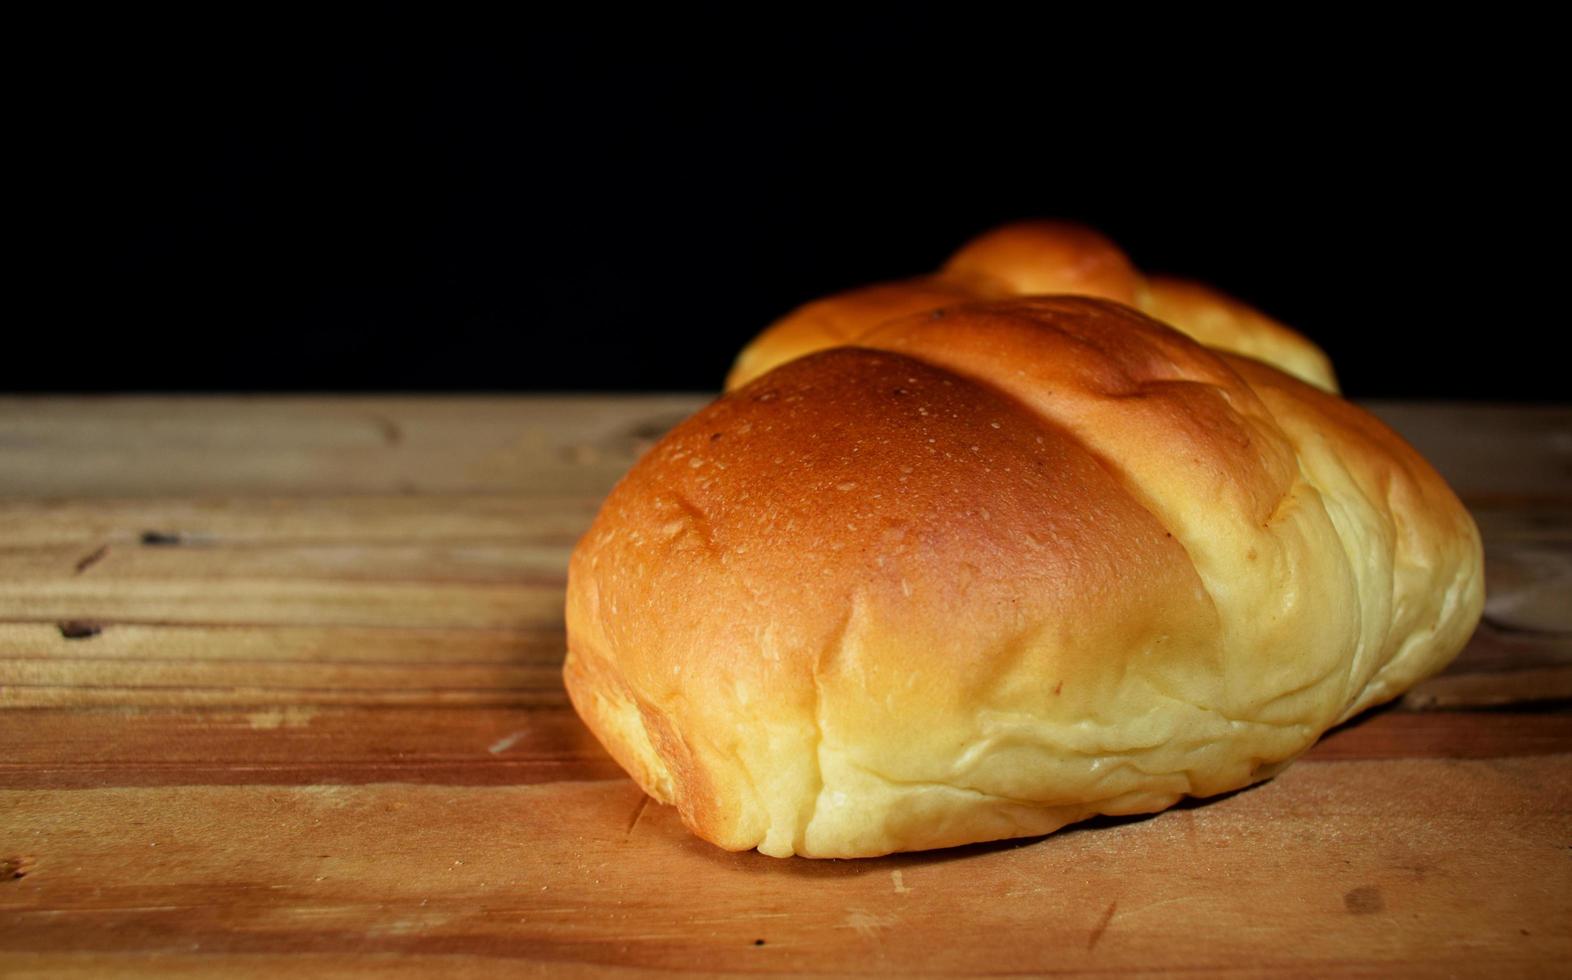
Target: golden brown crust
x: 1037, y: 258
x: 1223, y: 322
x: 998, y: 569
x: 841, y: 320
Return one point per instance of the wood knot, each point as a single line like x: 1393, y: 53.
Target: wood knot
x: 1364, y: 900
x: 79, y: 629
x: 15, y: 868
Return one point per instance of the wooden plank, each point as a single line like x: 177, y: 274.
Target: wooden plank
x: 509, y: 684
x: 144, y: 446
x: 115, y: 662
x: 294, y: 743
x: 1392, y: 733
x: 470, y: 662
x: 158, y: 423
x: 484, y: 561
x: 1490, y: 452
x: 304, y: 561
x: 242, y: 645
x: 285, y: 602
x: 280, y: 690
x: 87, y: 663
x: 298, y: 744
x: 208, y: 522
x: 1358, y: 862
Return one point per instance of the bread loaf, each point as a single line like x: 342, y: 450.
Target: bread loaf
x: 1034, y: 258
x: 998, y: 568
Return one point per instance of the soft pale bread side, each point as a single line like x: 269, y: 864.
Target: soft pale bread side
x: 1000, y: 569
x: 1037, y: 258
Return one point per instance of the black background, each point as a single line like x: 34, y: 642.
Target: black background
x: 389, y: 200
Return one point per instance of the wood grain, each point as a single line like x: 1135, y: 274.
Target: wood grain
x: 1339, y: 865
x: 279, y: 690
x: 158, y: 447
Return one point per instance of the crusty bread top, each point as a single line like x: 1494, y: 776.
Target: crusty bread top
x: 1037, y: 258
x: 1000, y: 567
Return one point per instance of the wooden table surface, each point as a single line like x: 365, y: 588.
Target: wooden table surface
x: 279, y: 690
